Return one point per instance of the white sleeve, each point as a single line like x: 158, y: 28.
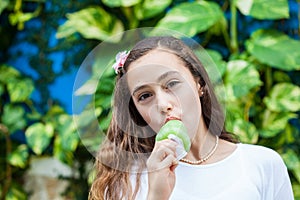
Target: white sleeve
x: 279, y: 182
x: 276, y: 184
x: 284, y: 191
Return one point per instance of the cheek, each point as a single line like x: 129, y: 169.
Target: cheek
x: 189, y: 99
x: 191, y: 110
x: 148, y: 114
x: 144, y: 112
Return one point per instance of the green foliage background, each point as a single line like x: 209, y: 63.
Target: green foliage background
x: 260, y: 71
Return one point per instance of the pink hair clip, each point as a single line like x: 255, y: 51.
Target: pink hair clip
x: 120, y: 60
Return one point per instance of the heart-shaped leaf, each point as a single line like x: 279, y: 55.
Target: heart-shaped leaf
x: 39, y: 136
x: 262, y: 9
x: 191, y: 18
x: 275, y: 49
x: 284, y: 97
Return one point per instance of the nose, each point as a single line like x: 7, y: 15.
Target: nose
x: 165, y: 102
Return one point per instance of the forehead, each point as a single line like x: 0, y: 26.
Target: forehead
x: 158, y: 57
x: 149, y: 67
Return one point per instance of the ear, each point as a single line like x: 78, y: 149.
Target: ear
x: 198, y: 86
x: 200, y: 90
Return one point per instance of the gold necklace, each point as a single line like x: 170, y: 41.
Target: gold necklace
x: 198, y: 162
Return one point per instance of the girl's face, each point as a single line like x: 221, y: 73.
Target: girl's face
x: 162, y: 88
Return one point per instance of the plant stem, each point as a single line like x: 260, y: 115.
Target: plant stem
x: 130, y: 16
x: 247, y: 108
x: 268, y: 79
x: 248, y: 104
x: 224, y: 26
x: 7, y: 182
x: 226, y: 37
x: 233, y: 27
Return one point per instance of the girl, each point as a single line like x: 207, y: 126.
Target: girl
x: 161, y: 79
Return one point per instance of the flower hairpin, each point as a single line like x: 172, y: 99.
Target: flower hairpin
x: 120, y: 60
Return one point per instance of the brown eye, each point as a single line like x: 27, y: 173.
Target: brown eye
x: 144, y: 96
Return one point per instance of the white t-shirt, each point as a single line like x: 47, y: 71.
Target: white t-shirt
x: 251, y: 172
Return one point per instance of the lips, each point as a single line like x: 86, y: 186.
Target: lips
x: 171, y: 118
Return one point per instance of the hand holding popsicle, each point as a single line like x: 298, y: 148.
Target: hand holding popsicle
x: 172, y: 143
x: 176, y: 131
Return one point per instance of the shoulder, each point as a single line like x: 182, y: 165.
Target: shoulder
x: 263, y: 162
x: 270, y: 167
x: 260, y: 154
x: 255, y: 149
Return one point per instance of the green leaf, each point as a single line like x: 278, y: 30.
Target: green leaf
x: 67, y: 132
x: 233, y: 111
x: 104, y: 101
x: 284, y: 97
x: 289, y: 132
x: 280, y: 76
x: 104, y: 122
x: 104, y: 92
x: 39, y: 136
x: 276, y: 49
x: 20, y: 17
x: 245, y: 130
x: 15, y: 193
x: 219, y: 28
x: 119, y: 3
x: 20, y: 89
x: 13, y: 117
x: 240, y: 78
x: 292, y: 161
x: 86, y: 117
x: 1, y: 89
x: 55, y: 110
x: 273, y: 123
x: 88, y: 88
x: 262, y: 9
x: 8, y: 73
x: 60, y: 153
x: 218, y: 60
x: 91, y: 23
x: 91, y: 135
x: 191, y: 18
x: 150, y: 8
x: 3, y: 5
x: 296, y: 190
x: 67, y: 140
x: 106, y: 86
x: 19, y: 156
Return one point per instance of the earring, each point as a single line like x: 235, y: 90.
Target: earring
x: 201, y: 94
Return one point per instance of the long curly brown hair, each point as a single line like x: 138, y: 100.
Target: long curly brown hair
x: 129, y: 140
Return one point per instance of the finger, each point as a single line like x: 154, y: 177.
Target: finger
x: 174, y: 164
x: 160, y: 159
x: 162, y: 153
x: 169, y: 162
x: 169, y: 144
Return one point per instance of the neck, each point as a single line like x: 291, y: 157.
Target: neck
x: 202, y: 143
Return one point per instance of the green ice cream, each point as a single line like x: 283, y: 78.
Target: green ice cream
x: 177, y: 128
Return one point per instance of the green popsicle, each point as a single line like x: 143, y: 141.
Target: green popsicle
x: 177, y: 128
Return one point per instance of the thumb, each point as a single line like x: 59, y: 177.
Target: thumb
x: 169, y: 162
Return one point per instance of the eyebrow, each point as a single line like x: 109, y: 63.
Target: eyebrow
x: 159, y: 79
